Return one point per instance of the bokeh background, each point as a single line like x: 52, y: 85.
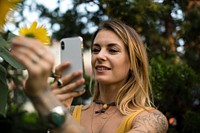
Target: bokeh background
x: 170, y: 29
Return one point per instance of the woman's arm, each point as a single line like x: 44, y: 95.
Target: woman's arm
x: 45, y: 102
x: 39, y: 63
x: 152, y: 121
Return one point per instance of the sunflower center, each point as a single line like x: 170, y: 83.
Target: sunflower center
x: 31, y: 35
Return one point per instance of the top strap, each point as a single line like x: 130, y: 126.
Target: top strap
x: 127, y: 123
x: 77, y: 113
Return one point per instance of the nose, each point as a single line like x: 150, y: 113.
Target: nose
x: 102, y: 55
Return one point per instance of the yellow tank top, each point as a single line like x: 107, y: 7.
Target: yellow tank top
x: 125, y: 125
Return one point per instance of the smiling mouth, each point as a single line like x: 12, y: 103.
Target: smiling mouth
x: 102, y: 68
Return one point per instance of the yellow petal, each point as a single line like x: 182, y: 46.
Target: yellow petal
x: 7, y: 7
x: 38, y: 32
x: 33, y: 26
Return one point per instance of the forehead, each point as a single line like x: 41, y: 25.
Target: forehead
x: 104, y: 37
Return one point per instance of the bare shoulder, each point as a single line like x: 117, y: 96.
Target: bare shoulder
x: 152, y: 121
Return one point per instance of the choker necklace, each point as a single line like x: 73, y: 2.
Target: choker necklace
x: 105, y: 106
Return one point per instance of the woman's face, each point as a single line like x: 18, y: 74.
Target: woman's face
x: 110, y: 60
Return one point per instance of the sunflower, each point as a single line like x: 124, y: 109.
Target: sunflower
x: 38, y: 32
x: 7, y: 6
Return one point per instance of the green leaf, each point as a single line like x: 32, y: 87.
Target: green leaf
x: 10, y: 36
x: 5, y: 54
x: 3, y: 90
x: 3, y: 43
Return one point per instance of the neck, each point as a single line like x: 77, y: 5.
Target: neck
x: 107, y: 94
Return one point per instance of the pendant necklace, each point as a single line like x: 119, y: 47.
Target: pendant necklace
x: 104, y: 107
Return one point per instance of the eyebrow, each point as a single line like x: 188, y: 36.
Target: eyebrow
x: 109, y: 45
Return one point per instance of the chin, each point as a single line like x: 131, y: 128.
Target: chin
x: 103, y: 81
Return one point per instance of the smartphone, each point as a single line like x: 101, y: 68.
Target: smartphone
x: 72, y: 50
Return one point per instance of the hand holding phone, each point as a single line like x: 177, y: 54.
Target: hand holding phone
x: 72, y: 51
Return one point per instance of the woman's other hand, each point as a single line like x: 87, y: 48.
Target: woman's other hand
x: 37, y: 59
x: 65, y: 91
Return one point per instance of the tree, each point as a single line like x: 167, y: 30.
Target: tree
x: 190, y: 33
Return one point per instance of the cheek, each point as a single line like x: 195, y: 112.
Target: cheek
x: 123, y: 70
x: 93, y: 61
x: 125, y: 65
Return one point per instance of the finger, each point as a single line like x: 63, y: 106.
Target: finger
x: 67, y: 79
x: 70, y: 77
x: 30, y: 59
x: 73, y: 94
x: 69, y: 87
x: 60, y: 68
x: 21, y: 57
x: 72, y: 86
x: 36, y: 61
x: 27, y: 42
x: 32, y: 45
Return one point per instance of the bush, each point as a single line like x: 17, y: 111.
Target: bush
x: 176, y: 92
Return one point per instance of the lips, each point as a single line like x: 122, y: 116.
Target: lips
x: 102, y: 68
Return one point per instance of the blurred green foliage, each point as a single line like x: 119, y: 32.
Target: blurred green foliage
x: 176, y: 92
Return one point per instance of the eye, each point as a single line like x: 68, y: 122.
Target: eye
x: 95, y: 50
x: 113, y: 50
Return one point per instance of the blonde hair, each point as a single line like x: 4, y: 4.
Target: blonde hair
x: 135, y: 93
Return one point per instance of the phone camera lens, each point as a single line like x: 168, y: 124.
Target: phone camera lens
x: 62, y: 45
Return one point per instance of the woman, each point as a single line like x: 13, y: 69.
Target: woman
x: 121, y: 101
